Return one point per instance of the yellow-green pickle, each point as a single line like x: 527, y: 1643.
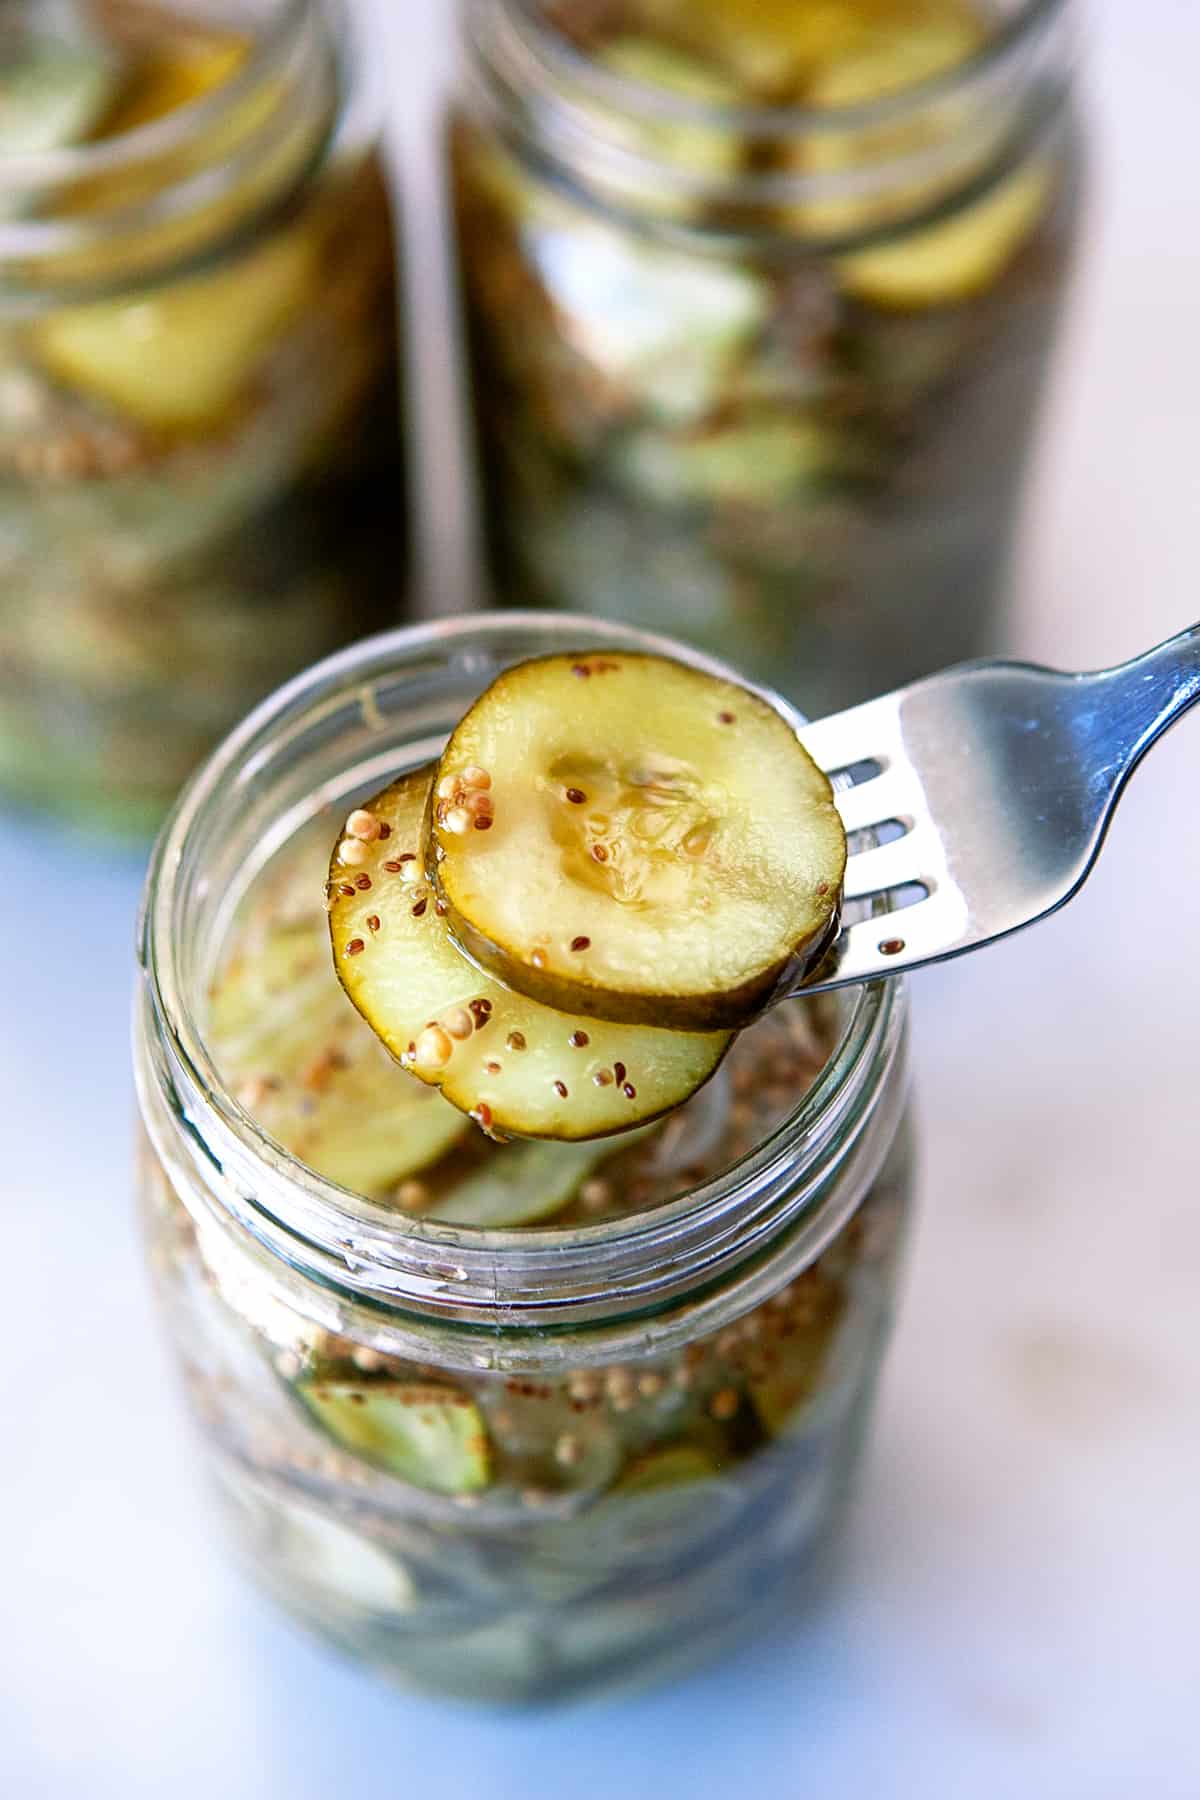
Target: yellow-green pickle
x: 759, y: 300
x: 200, y: 480
x: 511, y: 1417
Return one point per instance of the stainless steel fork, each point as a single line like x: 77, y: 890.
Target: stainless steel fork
x: 984, y: 794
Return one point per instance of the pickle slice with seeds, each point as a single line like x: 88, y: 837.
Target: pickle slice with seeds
x: 432, y: 1436
x: 515, y: 1066
x: 310, y: 1073
x: 630, y: 838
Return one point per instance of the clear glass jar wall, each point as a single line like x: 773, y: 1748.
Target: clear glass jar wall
x: 200, y: 474
x: 759, y: 302
x: 505, y: 1463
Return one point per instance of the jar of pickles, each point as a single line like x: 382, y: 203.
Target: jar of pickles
x: 759, y: 300
x: 507, y: 1420
x: 200, y: 481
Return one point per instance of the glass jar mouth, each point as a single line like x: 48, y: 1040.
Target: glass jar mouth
x: 171, y: 191
x: 629, y: 146
x: 212, y: 1146
x: 767, y: 118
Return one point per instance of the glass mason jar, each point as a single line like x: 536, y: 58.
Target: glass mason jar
x: 759, y: 301
x: 200, y: 471
x: 625, y: 1435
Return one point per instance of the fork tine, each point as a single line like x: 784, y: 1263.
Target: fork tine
x: 861, y: 733
x: 893, y: 795
x: 905, y: 859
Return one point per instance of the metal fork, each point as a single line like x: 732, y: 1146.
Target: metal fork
x: 984, y: 794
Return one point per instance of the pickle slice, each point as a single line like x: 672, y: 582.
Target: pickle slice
x: 956, y: 259
x: 674, y: 1466
x: 429, y: 1435
x: 312, y: 1075
x: 179, y: 358
x: 512, y: 1064
x: 658, y: 845
x: 51, y: 94
x: 522, y: 1184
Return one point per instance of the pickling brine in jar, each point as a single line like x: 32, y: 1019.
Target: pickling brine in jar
x: 507, y: 1420
x: 200, y: 469
x: 759, y: 302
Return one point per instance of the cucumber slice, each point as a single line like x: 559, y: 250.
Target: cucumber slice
x: 956, y: 259
x: 689, y: 148
x: 661, y: 847
x: 523, y: 1184
x: 51, y: 94
x: 431, y: 1436
x: 178, y: 358
x: 671, y: 1467
x: 312, y: 1075
x: 323, y: 1553
x: 666, y: 329
x: 751, y: 462
x: 514, y: 1065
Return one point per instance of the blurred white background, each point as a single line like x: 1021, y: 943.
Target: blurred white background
x: 1018, y: 1615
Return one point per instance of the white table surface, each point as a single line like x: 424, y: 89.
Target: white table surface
x: 1018, y: 1618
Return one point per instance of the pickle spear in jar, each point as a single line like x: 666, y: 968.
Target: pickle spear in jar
x: 513, y: 1065
x: 634, y: 839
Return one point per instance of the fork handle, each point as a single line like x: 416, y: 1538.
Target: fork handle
x: 1143, y: 698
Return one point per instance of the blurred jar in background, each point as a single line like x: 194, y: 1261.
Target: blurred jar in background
x: 200, y: 472
x: 759, y: 301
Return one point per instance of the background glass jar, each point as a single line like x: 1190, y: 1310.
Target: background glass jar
x: 614, y: 1439
x: 758, y: 302
x: 200, y: 473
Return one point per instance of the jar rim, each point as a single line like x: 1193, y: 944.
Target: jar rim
x: 755, y: 117
x: 536, y: 1274
x: 973, y: 122
x: 259, y: 136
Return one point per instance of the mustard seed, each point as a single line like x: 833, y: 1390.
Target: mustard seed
x: 433, y: 1048
x: 363, y: 825
x: 724, y: 1403
x: 458, y: 1022
x: 352, y: 851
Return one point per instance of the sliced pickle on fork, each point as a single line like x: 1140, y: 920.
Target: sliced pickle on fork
x: 515, y: 1066
x: 630, y: 838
